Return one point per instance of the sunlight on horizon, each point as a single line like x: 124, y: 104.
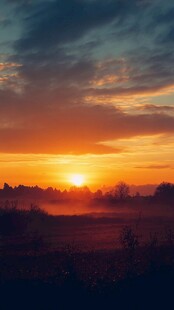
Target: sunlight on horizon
x: 77, y: 179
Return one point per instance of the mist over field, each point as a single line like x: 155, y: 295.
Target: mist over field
x: 99, y: 226
x: 89, y: 225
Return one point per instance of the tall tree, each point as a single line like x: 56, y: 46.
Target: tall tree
x: 121, y: 191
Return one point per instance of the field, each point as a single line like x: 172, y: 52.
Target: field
x: 96, y: 260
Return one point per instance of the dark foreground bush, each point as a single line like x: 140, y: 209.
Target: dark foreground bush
x: 22, y: 230
x: 14, y: 221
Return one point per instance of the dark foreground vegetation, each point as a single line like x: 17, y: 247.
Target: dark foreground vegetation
x: 138, y: 275
x: 36, y: 282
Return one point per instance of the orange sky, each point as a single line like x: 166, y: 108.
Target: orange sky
x: 140, y: 166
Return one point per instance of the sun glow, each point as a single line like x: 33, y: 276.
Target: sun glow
x: 77, y: 179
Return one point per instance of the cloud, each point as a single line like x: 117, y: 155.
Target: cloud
x: 168, y: 38
x: 152, y: 108
x: 54, y: 128
x: 70, y: 51
x: 55, y: 22
x: 165, y: 17
x: 4, y: 21
x: 51, y: 48
x: 154, y: 167
x: 4, y: 66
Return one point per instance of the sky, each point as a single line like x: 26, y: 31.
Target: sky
x: 86, y: 87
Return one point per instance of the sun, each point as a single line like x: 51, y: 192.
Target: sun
x: 77, y: 179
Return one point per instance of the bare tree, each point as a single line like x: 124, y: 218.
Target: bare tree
x: 121, y: 191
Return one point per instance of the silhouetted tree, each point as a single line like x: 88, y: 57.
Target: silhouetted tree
x: 121, y: 191
x: 98, y: 194
x: 7, y: 190
x: 165, y: 192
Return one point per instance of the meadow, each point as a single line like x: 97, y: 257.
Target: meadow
x: 114, y: 256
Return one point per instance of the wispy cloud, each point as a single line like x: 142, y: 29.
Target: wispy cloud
x: 154, y: 167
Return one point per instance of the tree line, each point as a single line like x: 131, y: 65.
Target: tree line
x: 164, y: 192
